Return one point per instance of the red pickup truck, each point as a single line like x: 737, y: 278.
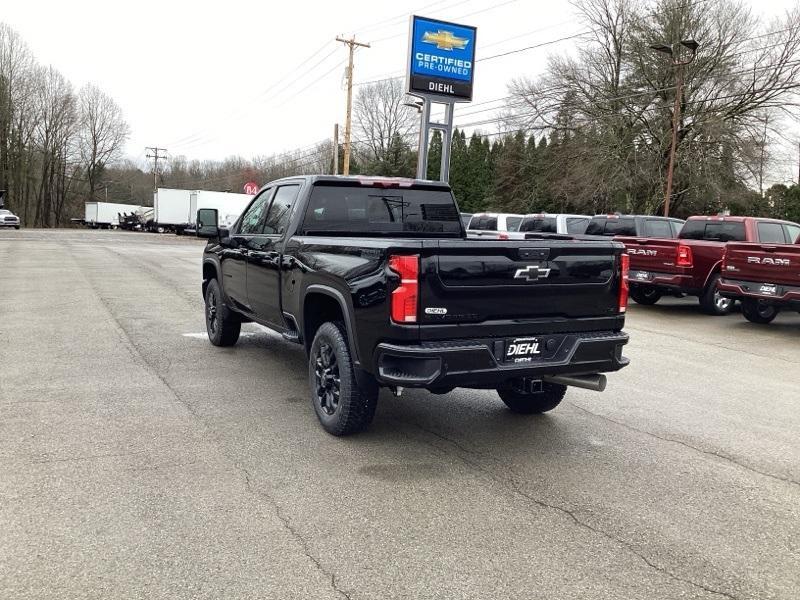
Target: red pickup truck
x: 691, y: 265
x: 765, y: 277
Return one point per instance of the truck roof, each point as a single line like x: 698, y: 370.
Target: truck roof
x: 736, y: 219
x: 364, y: 180
x: 615, y: 216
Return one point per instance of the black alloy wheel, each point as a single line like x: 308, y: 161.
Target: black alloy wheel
x: 222, y: 324
x: 327, y: 378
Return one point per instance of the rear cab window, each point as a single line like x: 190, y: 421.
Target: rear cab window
x: 539, y: 225
x: 657, y: 228
x: 372, y: 210
x: 483, y: 223
x: 612, y: 226
x: 714, y: 231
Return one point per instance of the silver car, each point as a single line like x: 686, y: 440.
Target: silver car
x: 8, y: 219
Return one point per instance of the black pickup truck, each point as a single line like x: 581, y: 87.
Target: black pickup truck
x: 378, y: 281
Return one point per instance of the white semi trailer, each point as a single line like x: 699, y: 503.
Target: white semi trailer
x: 176, y: 210
x: 229, y: 206
x: 105, y: 215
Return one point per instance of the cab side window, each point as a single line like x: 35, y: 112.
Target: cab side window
x: 280, y: 210
x: 575, y: 225
x: 793, y: 234
x: 771, y: 233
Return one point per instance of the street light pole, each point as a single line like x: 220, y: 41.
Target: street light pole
x: 676, y: 110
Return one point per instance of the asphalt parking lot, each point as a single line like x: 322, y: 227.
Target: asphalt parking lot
x: 139, y: 461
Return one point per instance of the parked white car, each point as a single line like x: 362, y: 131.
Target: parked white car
x: 493, y: 225
x: 8, y: 219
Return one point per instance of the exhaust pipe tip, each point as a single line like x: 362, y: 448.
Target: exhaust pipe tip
x: 596, y: 383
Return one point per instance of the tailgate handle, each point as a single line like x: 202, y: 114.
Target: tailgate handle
x: 534, y: 253
x: 769, y: 248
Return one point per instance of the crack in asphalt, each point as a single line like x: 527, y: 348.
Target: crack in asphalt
x: 512, y: 484
x: 719, y: 455
x: 139, y: 357
x: 287, y: 523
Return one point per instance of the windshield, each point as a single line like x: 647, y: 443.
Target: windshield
x: 366, y: 209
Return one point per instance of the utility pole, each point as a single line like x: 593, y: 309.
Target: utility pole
x: 156, y: 157
x: 348, y: 123
x: 336, y: 149
x: 676, y: 111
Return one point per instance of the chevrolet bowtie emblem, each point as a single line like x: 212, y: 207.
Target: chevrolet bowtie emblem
x: 445, y: 40
x: 532, y: 273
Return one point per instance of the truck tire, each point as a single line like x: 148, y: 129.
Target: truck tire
x: 712, y: 302
x: 222, y: 324
x: 645, y: 295
x: 756, y: 311
x: 532, y: 403
x: 343, y: 406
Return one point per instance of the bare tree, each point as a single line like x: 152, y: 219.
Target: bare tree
x: 103, y: 132
x: 17, y: 86
x: 612, y: 102
x: 382, y: 120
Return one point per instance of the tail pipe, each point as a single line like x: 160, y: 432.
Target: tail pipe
x: 595, y: 383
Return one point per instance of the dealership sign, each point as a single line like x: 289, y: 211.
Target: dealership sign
x: 441, y: 59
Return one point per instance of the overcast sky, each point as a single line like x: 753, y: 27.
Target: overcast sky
x: 212, y: 79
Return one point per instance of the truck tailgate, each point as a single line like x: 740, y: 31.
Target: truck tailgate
x: 474, y: 282
x: 650, y: 256
x: 763, y: 263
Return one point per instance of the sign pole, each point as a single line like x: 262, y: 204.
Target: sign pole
x: 447, y: 142
x: 424, y: 139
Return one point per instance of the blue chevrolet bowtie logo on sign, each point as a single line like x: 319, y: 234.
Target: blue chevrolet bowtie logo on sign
x: 442, y: 58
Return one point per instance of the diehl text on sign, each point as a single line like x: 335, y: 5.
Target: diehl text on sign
x: 442, y: 59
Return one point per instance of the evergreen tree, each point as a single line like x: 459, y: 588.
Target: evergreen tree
x: 435, y: 155
x: 459, y: 170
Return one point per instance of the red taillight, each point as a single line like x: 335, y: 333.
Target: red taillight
x: 684, y: 257
x: 625, y: 267
x: 404, y: 297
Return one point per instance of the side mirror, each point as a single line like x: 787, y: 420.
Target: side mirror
x: 207, y: 223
